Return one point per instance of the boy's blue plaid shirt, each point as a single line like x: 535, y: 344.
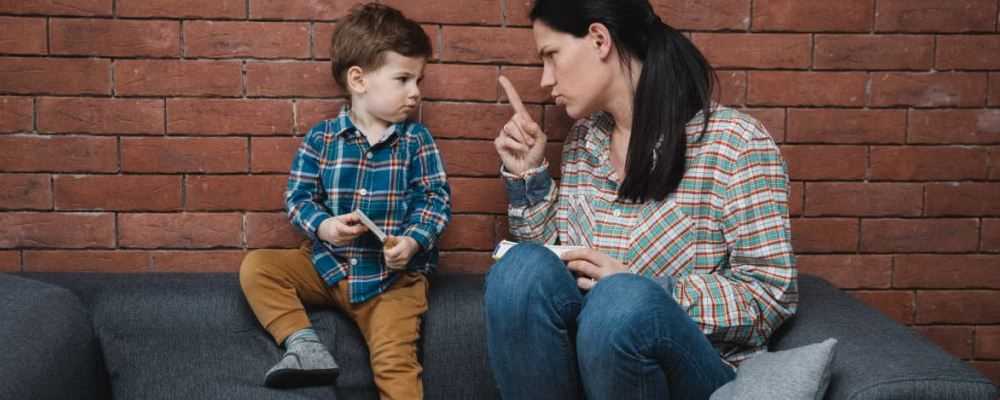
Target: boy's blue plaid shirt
x: 400, y: 183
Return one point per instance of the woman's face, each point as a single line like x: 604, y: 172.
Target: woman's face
x: 573, y: 70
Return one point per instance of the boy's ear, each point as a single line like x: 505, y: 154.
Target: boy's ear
x: 356, y: 81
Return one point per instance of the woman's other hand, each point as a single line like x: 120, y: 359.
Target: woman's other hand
x: 521, y: 142
x: 590, y: 266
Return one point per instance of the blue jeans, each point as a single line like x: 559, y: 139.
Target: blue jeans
x: 625, y: 339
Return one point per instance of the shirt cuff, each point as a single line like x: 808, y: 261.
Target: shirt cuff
x: 423, y: 238
x: 528, y: 189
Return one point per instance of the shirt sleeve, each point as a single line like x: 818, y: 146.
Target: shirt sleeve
x: 532, y: 204
x: 304, y: 194
x: 745, y: 302
x: 428, y: 194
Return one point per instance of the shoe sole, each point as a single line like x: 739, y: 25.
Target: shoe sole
x: 290, y: 378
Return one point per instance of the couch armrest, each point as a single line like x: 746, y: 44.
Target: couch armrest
x: 50, y: 351
x: 876, y: 357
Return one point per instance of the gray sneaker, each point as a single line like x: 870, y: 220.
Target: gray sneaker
x: 307, y: 364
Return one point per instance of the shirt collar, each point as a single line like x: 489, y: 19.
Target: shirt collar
x: 345, y: 126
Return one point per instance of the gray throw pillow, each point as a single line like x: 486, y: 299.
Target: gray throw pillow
x: 802, y: 373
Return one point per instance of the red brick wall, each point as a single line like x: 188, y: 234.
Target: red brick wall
x: 154, y: 135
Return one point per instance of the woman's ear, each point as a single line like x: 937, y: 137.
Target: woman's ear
x: 600, y: 37
x: 356, y: 81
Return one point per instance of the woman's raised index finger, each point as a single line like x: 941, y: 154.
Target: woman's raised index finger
x: 515, y: 99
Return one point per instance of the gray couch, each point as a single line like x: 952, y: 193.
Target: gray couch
x: 192, y: 336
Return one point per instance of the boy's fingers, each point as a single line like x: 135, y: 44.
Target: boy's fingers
x: 515, y: 99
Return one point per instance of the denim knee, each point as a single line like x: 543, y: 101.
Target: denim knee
x: 527, y: 270
x: 623, y: 309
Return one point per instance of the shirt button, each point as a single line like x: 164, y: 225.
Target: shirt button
x: 369, y: 156
x: 617, y: 213
x: 354, y: 261
x: 363, y: 192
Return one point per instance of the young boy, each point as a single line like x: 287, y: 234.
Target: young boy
x: 373, y: 159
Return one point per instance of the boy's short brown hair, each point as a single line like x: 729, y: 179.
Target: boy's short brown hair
x: 367, y: 32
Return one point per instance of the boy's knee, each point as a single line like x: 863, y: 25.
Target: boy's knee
x: 254, y: 265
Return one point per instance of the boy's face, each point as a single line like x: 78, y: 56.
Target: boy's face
x: 392, y: 91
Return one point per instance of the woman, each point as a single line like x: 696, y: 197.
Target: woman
x: 680, y: 206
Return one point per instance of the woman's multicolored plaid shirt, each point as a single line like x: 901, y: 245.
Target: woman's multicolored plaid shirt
x: 722, y: 240
x: 400, y: 183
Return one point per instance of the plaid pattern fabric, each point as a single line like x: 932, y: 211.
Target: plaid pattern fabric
x: 399, y: 183
x: 724, y: 235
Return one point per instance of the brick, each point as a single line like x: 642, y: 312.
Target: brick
x: 478, y: 195
x: 953, y: 271
x: 182, y: 8
x: 465, y: 262
x: 17, y: 114
x: 919, y: 235
x: 704, y: 15
x: 117, y: 192
x: 55, y: 76
x: 811, y: 16
x: 10, y: 261
x: 796, y: 204
x: 934, y: 89
x: 236, y: 192
x: 459, y: 82
x: 846, y: 126
x: 58, y: 154
x: 732, y: 88
x: 178, y: 155
x: 308, y: 113
x: 301, y: 9
x: 963, y: 199
x: 273, y: 154
x: 48, y: 230
x: 271, y: 230
x: 824, y: 235
x: 924, y: 163
x: 773, y: 120
x: 478, y: 12
x: 936, y: 16
x: 988, y: 343
x: 178, y: 78
x: 291, y: 79
x: 864, y: 199
x: 807, y: 162
x: 469, y: 120
x: 994, y: 161
x: 116, y: 261
x: 758, y: 51
x: 849, y: 271
x: 488, y: 45
x: 23, y: 36
x: 527, y: 81
x: 958, y: 307
x: 100, y: 116
x: 197, y: 261
x: 229, y: 117
x: 994, y: 89
x: 469, y: 232
x: 897, y: 305
x: 954, y: 126
x: 115, y: 38
x: 990, y: 369
x: 518, y: 12
x: 557, y: 123
x: 469, y: 157
x: 180, y: 230
x: 956, y: 340
x: 990, y: 235
x: 502, y: 229
x: 968, y: 52
x: 874, y: 52
x: 794, y: 88
x: 212, y: 39
x: 57, y: 7
x: 25, y: 192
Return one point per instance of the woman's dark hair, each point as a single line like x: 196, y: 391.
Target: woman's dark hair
x: 676, y: 83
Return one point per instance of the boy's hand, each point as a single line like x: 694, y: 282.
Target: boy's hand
x: 521, y: 142
x: 342, y: 229
x: 398, y: 250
